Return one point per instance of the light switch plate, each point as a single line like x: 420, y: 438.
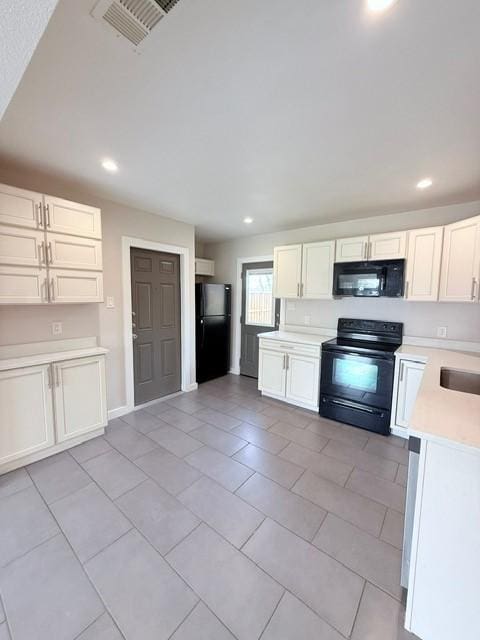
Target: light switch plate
x: 110, y: 302
x: 57, y: 328
x: 441, y: 332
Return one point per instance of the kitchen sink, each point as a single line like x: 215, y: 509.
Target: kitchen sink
x: 456, y: 380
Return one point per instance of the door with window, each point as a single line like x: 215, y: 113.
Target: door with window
x: 260, y: 312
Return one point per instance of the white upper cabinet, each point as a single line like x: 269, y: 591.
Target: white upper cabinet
x: 71, y: 285
x: 23, y: 285
x: 204, y: 267
x: 423, y: 264
x: 317, y: 269
x: 352, y: 249
x: 388, y: 246
x: 72, y: 252
x: 20, y: 207
x: 22, y: 246
x: 64, y: 216
x: 459, y: 281
x: 287, y: 271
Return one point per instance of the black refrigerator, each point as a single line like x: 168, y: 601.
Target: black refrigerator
x: 213, y: 317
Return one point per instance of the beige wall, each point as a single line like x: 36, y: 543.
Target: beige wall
x: 421, y: 319
x: 31, y: 324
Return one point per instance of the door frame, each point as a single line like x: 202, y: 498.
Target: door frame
x: 237, y: 310
x: 186, y: 315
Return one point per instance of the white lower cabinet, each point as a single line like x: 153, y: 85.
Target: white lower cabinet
x: 408, y: 378
x: 290, y: 372
x: 26, y: 412
x: 80, y: 398
x: 272, y: 372
x: 303, y: 374
x: 43, y: 406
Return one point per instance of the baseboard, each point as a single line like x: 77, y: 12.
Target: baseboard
x: 235, y: 371
x: 401, y: 432
x: 191, y: 387
x: 118, y: 412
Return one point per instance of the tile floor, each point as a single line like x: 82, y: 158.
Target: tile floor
x: 215, y: 515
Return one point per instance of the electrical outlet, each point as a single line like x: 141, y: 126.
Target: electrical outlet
x: 441, y: 332
x: 57, y: 328
x: 110, y: 302
x: 306, y: 320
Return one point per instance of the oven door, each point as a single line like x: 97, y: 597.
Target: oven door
x: 358, y: 279
x: 363, y: 379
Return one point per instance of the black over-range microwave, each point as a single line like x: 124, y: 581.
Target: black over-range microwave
x: 369, y: 279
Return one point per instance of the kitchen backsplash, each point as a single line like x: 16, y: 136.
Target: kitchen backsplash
x: 421, y: 319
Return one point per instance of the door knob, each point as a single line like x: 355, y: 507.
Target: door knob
x: 134, y: 336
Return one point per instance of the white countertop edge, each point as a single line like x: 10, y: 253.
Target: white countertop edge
x: 290, y: 336
x: 446, y: 442
x: 46, y: 358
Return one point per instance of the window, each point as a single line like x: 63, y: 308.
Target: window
x: 259, y: 302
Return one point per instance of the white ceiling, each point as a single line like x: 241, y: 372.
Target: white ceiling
x: 290, y: 112
x: 22, y: 23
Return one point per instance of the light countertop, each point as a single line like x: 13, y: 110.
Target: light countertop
x: 47, y: 357
x: 439, y: 412
x: 289, y: 336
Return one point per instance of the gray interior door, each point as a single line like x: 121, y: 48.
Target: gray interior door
x: 155, y: 323
x: 260, y: 312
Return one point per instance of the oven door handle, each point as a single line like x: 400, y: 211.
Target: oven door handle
x: 354, y: 405
x: 369, y: 356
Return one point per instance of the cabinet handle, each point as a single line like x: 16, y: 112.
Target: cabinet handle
x: 406, y: 289
x: 474, y: 284
x: 286, y: 361
x: 47, y: 217
x: 49, y: 254
x: 402, y: 368
x: 298, y: 289
x: 49, y: 376
x: 283, y: 361
x: 39, y: 214
x: 41, y: 253
x: 52, y: 293
x: 301, y: 289
x: 365, y: 251
x: 46, y: 288
x: 57, y: 376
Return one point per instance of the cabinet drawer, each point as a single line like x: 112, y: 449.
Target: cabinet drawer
x: 290, y: 347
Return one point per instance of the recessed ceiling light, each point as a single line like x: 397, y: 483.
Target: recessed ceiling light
x: 110, y: 165
x: 425, y: 183
x: 248, y: 220
x: 380, y: 5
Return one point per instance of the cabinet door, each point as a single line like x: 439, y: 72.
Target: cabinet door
x: 317, y: 269
x: 72, y: 252
x: 23, y: 285
x: 351, y: 249
x: 423, y: 264
x: 409, y: 379
x: 80, y: 398
x: 26, y: 412
x: 21, y: 246
x: 388, y: 246
x: 272, y: 372
x: 303, y: 377
x: 64, y: 216
x: 461, y: 261
x: 204, y: 267
x: 287, y: 271
x: 20, y: 207
x: 75, y: 286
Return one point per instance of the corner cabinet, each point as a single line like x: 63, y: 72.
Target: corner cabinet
x: 290, y: 371
x: 460, y: 275
x: 48, y: 407
x: 50, y: 249
x: 304, y: 271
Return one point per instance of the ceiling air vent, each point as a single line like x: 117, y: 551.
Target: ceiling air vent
x: 133, y: 19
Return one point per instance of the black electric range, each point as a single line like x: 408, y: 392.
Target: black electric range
x: 357, y: 373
